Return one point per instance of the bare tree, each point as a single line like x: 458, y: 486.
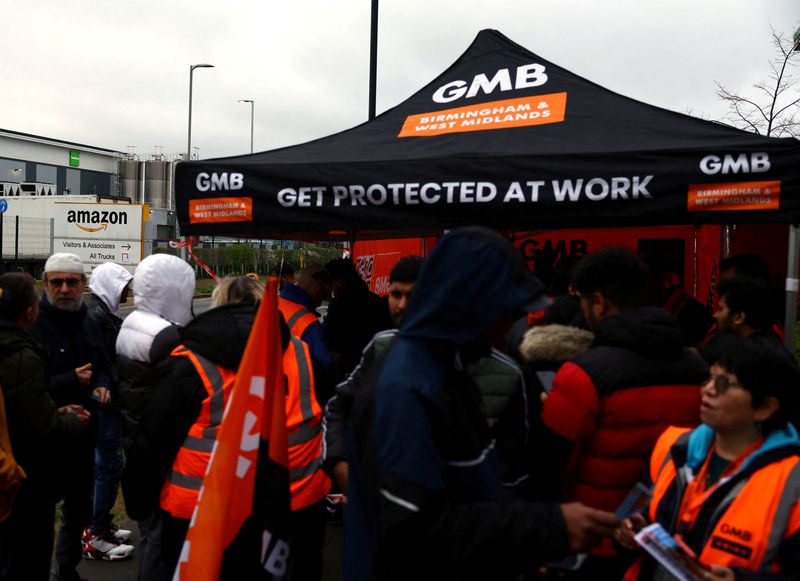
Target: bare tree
x: 773, y: 106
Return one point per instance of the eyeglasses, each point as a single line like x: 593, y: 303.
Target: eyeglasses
x: 722, y: 383
x: 59, y: 282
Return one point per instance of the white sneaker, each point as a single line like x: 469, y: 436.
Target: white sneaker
x: 122, y: 535
x: 99, y: 549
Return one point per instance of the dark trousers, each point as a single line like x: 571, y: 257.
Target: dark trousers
x: 151, y: 563
x: 76, y: 510
x: 108, y: 468
x: 26, y: 537
x: 307, y: 537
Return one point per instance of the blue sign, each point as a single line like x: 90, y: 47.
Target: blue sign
x: 3, y: 206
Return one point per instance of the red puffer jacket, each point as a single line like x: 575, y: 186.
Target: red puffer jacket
x: 609, y: 406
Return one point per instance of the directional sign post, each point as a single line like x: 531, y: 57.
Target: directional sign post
x: 99, y: 233
x: 124, y: 252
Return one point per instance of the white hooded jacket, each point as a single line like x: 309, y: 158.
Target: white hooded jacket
x: 107, y: 282
x: 163, y: 289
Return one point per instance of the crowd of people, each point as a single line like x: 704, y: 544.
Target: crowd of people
x: 479, y: 422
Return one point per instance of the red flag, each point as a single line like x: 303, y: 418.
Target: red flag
x: 251, y: 442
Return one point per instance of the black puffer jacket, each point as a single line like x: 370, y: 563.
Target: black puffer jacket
x: 219, y: 335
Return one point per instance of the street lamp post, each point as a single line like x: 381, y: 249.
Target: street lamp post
x: 791, y: 269
x: 252, y: 117
x: 184, y: 252
x: 191, y: 74
x: 373, y: 60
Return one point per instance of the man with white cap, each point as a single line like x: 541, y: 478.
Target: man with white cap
x: 109, y: 284
x: 78, y: 376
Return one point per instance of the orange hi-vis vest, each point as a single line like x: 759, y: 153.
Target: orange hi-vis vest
x: 180, y: 491
x: 298, y: 318
x: 308, y: 483
x: 748, y: 523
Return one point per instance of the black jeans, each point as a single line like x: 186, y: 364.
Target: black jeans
x: 307, y: 538
x: 26, y: 537
x: 77, y: 485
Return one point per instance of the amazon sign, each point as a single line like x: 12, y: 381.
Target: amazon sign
x: 100, y: 232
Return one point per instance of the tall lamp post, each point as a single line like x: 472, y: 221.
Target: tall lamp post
x: 792, y: 283
x: 373, y: 59
x: 184, y: 252
x: 191, y: 74
x: 252, y: 117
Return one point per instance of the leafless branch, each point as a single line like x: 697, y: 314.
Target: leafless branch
x: 766, y: 111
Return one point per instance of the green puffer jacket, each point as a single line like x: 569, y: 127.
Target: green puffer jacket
x: 38, y: 433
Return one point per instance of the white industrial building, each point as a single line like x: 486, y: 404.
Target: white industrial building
x: 37, y: 172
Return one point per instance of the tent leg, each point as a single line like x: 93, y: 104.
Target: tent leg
x: 792, y: 287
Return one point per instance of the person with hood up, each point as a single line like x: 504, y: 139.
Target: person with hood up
x: 608, y: 406
x: 219, y: 337
x: 181, y: 422
x: 109, y: 283
x: 425, y: 498
x: 163, y: 290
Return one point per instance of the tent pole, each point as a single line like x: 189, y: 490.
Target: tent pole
x: 373, y: 59
x: 791, y: 287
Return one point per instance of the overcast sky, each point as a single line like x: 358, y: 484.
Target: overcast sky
x: 113, y: 74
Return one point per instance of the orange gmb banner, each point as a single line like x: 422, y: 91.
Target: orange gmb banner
x: 521, y: 112
x: 221, y: 210
x: 734, y: 197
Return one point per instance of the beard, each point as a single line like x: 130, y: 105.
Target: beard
x: 64, y: 302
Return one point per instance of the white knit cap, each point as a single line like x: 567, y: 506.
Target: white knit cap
x: 64, y: 262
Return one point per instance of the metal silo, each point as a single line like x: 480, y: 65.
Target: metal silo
x: 129, y: 179
x: 156, y: 188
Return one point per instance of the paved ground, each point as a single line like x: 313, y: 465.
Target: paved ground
x: 127, y: 570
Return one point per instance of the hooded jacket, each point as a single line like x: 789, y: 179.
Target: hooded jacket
x: 107, y: 282
x: 163, y: 289
x: 609, y: 405
x: 219, y: 335
x: 38, y: 433
x: 504, y: 394
x: 425, y: 498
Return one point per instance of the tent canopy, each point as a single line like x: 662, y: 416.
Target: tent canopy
x: 505, y: 139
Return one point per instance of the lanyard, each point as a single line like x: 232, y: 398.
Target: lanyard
x: 697, y: 491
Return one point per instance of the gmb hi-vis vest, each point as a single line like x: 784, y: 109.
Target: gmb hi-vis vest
x: 180, y: 491
x: 749, y: 521
x: 298, y: 318
x: 308, y: 484
x: 307, y: 481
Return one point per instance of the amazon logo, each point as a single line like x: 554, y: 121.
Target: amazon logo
x: 96, y: 220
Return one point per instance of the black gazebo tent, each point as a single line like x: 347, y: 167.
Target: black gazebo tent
x: 505, y: 139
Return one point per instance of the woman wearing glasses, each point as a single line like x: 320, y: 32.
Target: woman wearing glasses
x: 730, y: 489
